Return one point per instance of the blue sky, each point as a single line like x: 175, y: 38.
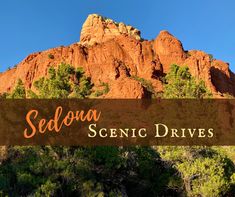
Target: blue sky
x: 28, y: 26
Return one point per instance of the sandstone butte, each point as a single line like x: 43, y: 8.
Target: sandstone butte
x: 111, y: 52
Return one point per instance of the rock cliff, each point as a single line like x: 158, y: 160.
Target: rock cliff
x: 114, y: 53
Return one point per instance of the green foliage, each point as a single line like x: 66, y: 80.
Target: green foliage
x: 205, y: 171
x: 206, y: 176
x: 152, y: 177
x: 4, y: 95
x: 82, y: 86
x: 31, y: 94
x: 147, y: 84
x: 104, y: 91
x: 47, y: 189
x: 50, y: 56
x: 211, y: 57
x: 188, y: 54
x: 65, y: 82
x: 18, y: 92
x: 181, y: 84
x: 96, y: 171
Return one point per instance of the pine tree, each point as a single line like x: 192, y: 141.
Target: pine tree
x: 19, y: 91
x: 181, y: 84
x: 65, y: 82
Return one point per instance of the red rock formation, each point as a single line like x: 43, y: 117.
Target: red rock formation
x: 98, y: 29
x: 222, y: 78
x: 112, y: 52
x: 126, y: 88
x: 169, y: 50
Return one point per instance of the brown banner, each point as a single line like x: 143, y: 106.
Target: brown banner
x: 117, y: 122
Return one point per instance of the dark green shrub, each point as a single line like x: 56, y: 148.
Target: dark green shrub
x: 50, y: 56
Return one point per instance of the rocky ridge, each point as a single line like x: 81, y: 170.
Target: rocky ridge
x: 98, y: 29
x: 114, y: 53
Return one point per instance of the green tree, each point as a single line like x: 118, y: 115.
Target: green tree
x: 181, y: 84
x: 65, y: 82
x: 204, y: 170
x: 18, y: 92
x: 4, y: 95
x: 99, y: 92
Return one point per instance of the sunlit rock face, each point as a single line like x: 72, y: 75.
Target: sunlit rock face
x: 98, y: 29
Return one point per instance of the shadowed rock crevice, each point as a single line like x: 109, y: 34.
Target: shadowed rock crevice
x: 221, y: 81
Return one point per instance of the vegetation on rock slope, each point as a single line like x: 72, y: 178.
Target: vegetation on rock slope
x: 114, y: 171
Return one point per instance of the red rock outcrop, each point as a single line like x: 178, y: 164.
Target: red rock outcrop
x: 112, y: 52
x: 216, y: 74
x: 222, y: 78
x: 169, y: 50
x: 126, y: 88
x: 98, y: 29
